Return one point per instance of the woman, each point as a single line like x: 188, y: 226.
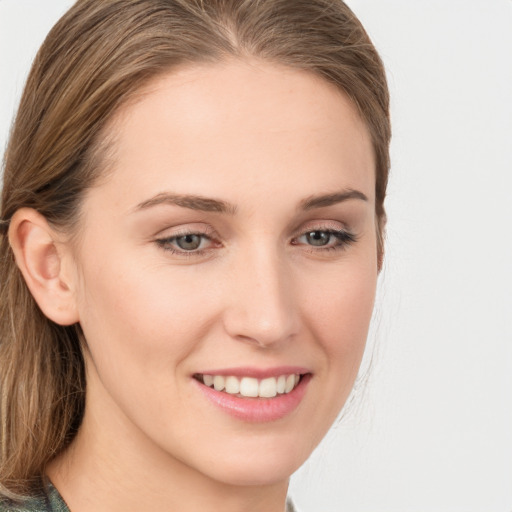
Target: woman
x: 193, y: 216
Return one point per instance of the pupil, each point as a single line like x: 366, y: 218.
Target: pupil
x: 189, y: 242
x: 318, y: 238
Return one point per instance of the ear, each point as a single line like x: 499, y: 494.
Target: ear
x: 42, y: 260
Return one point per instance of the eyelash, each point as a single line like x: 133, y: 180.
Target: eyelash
x: 165, y: 243
x: 343, y: 240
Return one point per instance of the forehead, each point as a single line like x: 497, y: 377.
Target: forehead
x: 242, y: 123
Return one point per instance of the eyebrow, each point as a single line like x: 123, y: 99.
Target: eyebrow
x: 193, y: 202
x: 325, y: 200
x: 207, y: 204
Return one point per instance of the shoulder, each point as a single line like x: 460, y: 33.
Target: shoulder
x: 50, y: 501
x: 30, y: 505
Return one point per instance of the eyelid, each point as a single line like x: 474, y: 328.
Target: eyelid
x: 321, y: 225
x: 194, y: 228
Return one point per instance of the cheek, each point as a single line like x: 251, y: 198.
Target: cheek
x: 341, y: 309
x: 339, y: 317
x: 141, y: 325
x: 137, y: 318
x: 337, y: 308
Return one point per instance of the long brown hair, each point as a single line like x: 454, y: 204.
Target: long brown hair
x: 94, y: 59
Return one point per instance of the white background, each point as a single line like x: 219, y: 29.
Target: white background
x: 433, y: 431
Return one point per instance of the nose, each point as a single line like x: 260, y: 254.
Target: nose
x: 262, y: 307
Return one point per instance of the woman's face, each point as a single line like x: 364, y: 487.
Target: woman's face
x: 233, y: 242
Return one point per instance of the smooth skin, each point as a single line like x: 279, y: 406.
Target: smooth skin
x: 273, y: 277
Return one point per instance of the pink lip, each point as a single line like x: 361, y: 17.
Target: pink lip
x: 256, y: 410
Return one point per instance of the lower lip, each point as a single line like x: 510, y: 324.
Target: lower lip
x: 257, y: 410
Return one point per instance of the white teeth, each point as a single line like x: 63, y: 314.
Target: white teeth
x: 251, y: 387
x: 290, y: 383
x: 232, y: 385
x: 218, y: 382
x: 268, y: 388
x: 281, y: 384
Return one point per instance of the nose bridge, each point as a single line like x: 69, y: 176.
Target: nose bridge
x: 262, y: 308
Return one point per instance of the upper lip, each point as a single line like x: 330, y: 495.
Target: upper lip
x: 257, y: 373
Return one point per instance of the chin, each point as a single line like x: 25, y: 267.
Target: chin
x: 253, y: 473
x: 260, y: 463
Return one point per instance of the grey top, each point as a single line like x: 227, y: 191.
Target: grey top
x: 52, y: 502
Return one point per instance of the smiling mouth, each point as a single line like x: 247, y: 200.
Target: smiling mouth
x: 250, y: 387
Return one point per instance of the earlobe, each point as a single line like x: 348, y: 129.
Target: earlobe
x: 40, y: 258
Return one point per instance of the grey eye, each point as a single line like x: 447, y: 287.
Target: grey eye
x: 189, y: 242
x: 318, y: 238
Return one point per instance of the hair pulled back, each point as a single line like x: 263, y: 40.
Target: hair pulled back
x: 96, y: 57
